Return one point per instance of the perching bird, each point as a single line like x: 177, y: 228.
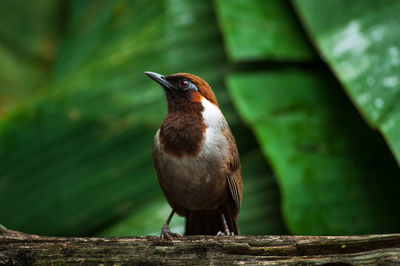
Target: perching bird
x: 196, y: 159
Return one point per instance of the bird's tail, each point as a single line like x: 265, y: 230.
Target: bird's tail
x: 209, y: 222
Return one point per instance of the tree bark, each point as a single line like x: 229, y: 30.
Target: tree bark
x: 23, y: 249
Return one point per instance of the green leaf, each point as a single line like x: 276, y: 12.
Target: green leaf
x: 359, y: 40
x: 69, y: 176
x: 260, y: 213
x: 336, y: 176
x: 259, y: 30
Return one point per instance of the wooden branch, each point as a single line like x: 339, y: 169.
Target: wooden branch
x: 21, y: 249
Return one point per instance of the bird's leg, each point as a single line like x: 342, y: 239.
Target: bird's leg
x: 165, y: 231
x: 226, y: 229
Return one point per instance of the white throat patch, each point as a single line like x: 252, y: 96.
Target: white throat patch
x: 212, y: 115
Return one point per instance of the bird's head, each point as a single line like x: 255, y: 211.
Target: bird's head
x: 184, y: 86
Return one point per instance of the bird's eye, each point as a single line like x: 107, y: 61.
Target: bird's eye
x: 184, y: 84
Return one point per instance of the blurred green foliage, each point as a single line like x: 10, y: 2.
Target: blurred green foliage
x: 77, y: 114
x: 360, y: 43
x: 318, y: 152
x: 27, y: 47
x: 257, y: 30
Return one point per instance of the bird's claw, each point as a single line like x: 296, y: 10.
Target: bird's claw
x: 167, y: 234
x: 226, y: 233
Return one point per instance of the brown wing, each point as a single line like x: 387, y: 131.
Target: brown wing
x: 234, y: 175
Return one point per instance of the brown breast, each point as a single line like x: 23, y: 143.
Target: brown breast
x: 182, y: 132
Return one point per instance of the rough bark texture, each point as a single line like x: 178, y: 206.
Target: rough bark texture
x: 22, y: 249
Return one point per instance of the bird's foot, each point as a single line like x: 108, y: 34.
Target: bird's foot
x: 167, y: 234
x: 226, y: 233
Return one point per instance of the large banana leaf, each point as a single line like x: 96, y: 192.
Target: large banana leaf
x: 359, y: 40
x: 258, y: 30
x: 261, y: 212
x: 336, y: 176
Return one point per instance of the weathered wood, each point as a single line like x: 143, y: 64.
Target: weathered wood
x: 21, y: 249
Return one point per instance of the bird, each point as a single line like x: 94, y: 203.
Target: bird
x: 196, y: 159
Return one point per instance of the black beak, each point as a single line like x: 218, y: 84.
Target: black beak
x: 160, y: 79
